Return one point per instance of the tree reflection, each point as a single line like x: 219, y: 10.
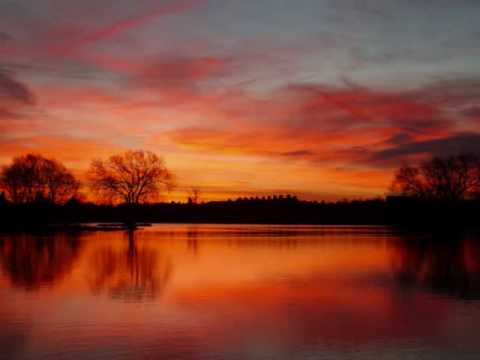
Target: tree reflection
x: 132, y: 274
x: 448, y: 265
x: 33, y: 261
x: 192, y: 239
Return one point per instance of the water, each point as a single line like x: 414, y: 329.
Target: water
x: 240, y: 292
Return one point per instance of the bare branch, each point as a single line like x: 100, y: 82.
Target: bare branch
x: 132, y: 177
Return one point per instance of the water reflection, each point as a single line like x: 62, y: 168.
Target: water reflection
x: 13, y: 338
x: 31, y: 261
x: 447, y: 264
x: 132, y: 273
x: 239, y: 293
x: 192, y: 239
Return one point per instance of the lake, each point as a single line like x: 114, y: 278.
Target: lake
x: 240, y: 292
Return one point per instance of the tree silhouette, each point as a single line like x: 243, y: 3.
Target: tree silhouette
x: 32, y: 176
x: 132, y: 177
x: 449, y: 178
x: 194, y: 197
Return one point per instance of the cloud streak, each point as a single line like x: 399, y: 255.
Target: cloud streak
x: 317, y: 122
x: 124, y: 25
x: 454, y: 144
x: 15, y: 99
x: 12, y: 90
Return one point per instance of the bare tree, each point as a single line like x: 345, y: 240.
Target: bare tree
x: 60, y: 184
x: 449, y: 178
x: 21, y: 179
x: 132, y: 177
x: 32, y: 176
x: 194, y: 196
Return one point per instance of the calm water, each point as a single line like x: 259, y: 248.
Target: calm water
x: 240, y: 292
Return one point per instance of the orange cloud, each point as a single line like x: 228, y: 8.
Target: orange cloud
x: 330, y: 138
x: 75, y: 152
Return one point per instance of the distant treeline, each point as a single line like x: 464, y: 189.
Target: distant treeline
x: 404, y: 211
x: 35, y: 191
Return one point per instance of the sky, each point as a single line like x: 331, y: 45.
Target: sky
x: 319, y: 98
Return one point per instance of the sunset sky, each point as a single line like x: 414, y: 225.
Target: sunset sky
x: 321, y: 98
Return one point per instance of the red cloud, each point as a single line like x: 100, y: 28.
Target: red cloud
x: 184, y: 70
x: 121, y: 26
x: 368, y: 107
x: 67, y: 38
x: 318, y: 123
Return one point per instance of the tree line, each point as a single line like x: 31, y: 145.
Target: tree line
x: 138, y: 176
x: 132, y: 177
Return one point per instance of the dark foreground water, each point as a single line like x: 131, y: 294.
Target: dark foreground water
x: 240, y: 292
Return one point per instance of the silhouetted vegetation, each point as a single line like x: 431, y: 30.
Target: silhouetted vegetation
x: 32, y: 178
x: 194, y: 197
x: 277, y: 210
x: 39, y: 191
x: 133, y: 177
x: 451, y: 178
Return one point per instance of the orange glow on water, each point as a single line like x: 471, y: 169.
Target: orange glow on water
x: 288, y: 285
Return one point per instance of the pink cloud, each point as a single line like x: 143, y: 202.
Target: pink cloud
x: 121, y: 26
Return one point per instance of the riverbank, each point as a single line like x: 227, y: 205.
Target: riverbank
x: 400, y: 212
